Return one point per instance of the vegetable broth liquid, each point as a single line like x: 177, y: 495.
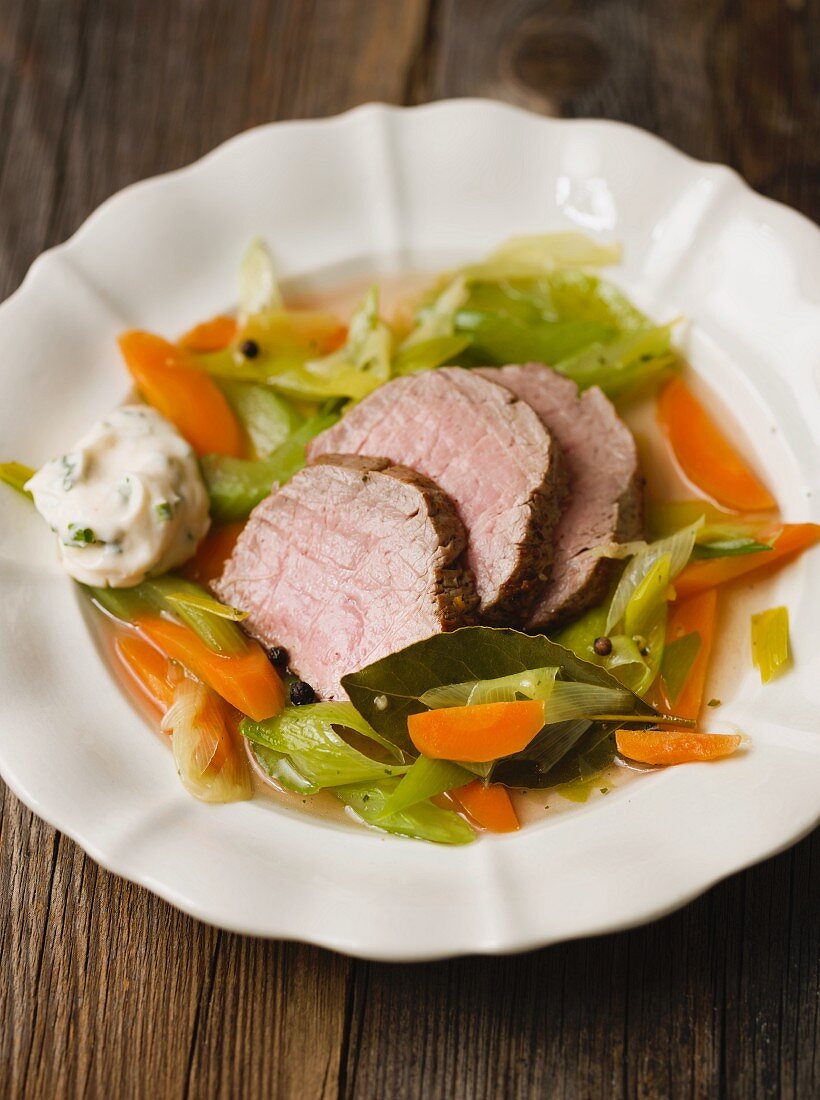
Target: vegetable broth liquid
x: 730, y: 654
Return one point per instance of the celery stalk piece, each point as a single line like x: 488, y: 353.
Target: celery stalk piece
x: 425, y: 778
x: 124, y: 604
x: 236, y: 485
x: 269, y: 420
x: 16, y: 475
x: 423, y: 821
x: 429, y: 354
x: 771, y: 652
x: 499, y: 339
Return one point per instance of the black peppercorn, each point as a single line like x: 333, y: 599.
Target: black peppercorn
x: 278, y: 656
x: 602, y: 646
x: 301, y: 693
x: 249, y: 348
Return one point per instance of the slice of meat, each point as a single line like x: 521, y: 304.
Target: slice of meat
x: 606, y: 487
x: 351, y: 560
x: 490, y: 454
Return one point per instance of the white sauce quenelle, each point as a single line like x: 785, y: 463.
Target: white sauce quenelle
x: 126, y: 501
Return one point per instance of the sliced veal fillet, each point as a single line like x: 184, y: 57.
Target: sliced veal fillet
x: 351, y: 560
x: 490, y: 454
x: 606, y: 487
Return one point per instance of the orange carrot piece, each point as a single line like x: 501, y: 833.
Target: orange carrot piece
x: 705, y: 456
x: 247, y: 680
x: 212, y: 553
x: 490, y: 806
x: 187, y: 396
x: 700, y: 575
x: 151, y: 669
x: 335, y: 340
x: 674, y: 747
x: 476, y: 734
x: 696, y: 614
x: 213, y: 335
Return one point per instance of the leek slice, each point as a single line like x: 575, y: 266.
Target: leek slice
x: 16, y: 475
x: 535, y: 683
x: 770, y: 642
x: 211, y: 764
x: 678, y: 659
x: 194, y: 607
x: 361, y: 365
x: 182, y: 599
x: 570, y: 701
x: 188, y: 595
x: 679, y: 549
x: 258, y: 285
x: 438, y: 320
x: 650, y: 593
x: 532, y: 256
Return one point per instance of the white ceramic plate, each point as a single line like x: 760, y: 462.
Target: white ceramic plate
x: 381, y: 190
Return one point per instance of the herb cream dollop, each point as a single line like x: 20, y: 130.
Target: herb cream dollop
x: 128, y: 500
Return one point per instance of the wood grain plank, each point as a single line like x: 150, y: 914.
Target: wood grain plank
x: 107, y: 991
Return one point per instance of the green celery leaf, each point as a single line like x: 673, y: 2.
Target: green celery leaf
x: 426, y: 778
x: 308, y: 737
x: 423, y: 821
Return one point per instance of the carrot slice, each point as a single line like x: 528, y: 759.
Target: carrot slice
x: 187, y: 396
x: 213, y: 335
x: 212, y: 553
x: 151, y: 669
x: 476, y: 734
x: 490, y: 806
x: 696, y: 614
x: 700, y: 575
x: 672, y: 747
x: 247, y: 680
x: 706, y: 457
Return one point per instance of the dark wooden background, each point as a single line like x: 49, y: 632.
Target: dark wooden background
x: 108, y: 992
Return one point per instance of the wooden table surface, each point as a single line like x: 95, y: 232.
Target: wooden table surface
x: 107, y: 991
